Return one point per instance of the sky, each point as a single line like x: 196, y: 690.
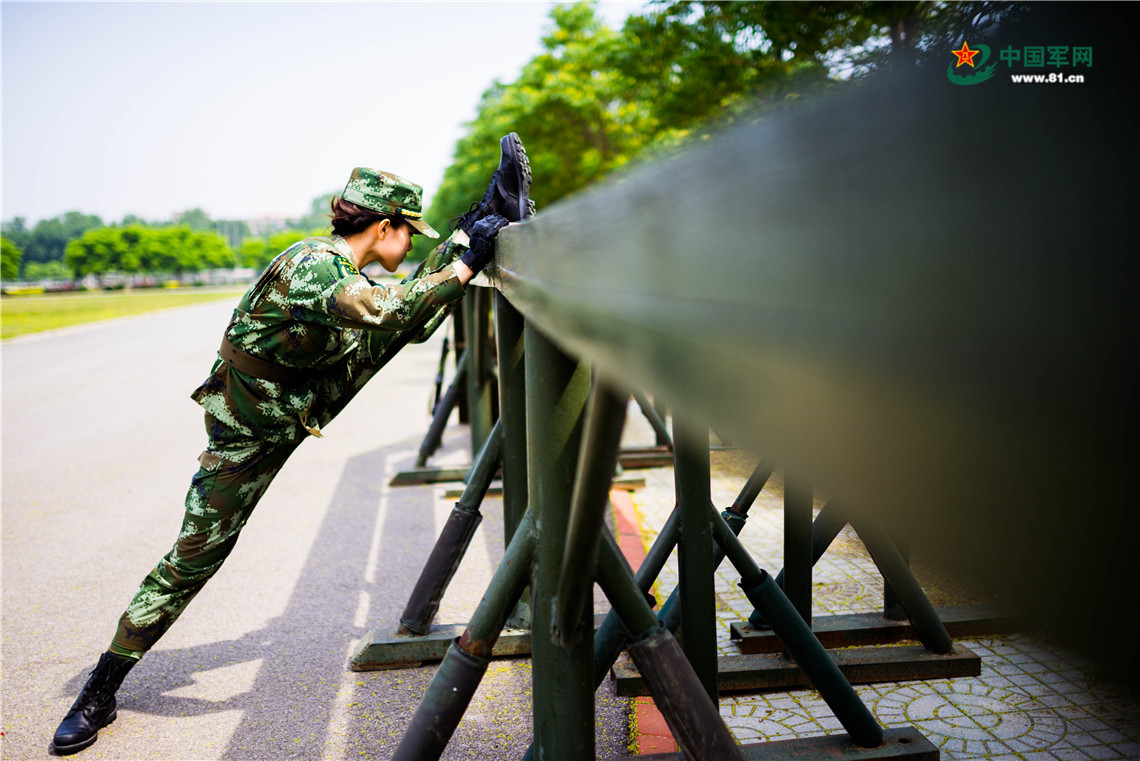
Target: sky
x: 243, y: 109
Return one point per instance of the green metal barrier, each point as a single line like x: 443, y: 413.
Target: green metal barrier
x: 919, y: 296
x: 827, y: 286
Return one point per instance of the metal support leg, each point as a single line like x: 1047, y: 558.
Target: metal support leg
x: 605, y: 419
x: 931, y: 631
x: 695, y: 559
x: 797, y: 544
x: 557, y: 388
x: 798, y: 640
x: 695, y: 722
x: 612, y: 636
x: 512, y: 411
x: 475, y: 307
x: 752, y: 488
x: 453, y: 686
x: 512, y: 416
x: 662, y: 411
x: 459, y: 328
x: 826, y: 526
x: 442, y: 413
x: 453, y: 541
x: 814, y: 661
x: 655, y: 420
x: 893, y: 609
x: 670, y: 613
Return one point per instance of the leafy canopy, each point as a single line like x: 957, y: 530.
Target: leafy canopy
x: 144, y: 249
x: 595, y: 100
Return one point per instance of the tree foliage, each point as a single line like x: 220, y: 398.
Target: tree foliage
x: 10, y: 255
x: 135, y: 248
x: 47, y: 271
x: 595, y: 100
x: 569, y: 107
x: 77, y: 244
x: 257, y: 253
x: 47, y: 241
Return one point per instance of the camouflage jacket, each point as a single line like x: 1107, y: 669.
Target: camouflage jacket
x: 314, y: 311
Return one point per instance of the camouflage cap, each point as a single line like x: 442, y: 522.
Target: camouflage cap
x: 388, y: 193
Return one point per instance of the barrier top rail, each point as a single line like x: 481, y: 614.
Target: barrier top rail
x: 919, y: 295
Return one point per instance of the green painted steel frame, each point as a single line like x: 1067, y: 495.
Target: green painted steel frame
x: 859, y: 320
x: 695, y: 565
x: 557, y: 389
x: 801, y: 288
x: 480, y: 387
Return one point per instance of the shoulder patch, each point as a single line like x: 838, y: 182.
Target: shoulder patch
x: 344, y: 268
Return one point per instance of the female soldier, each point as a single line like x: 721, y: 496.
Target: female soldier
x: 303, y: 340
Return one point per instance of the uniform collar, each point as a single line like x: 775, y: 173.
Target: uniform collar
x: 340, y: 245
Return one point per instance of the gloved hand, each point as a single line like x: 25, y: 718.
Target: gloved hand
x: 482, y: 247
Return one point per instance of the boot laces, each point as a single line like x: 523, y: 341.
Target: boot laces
x: 451, y: 225
x: 105, y: 678
x: 478, y: 209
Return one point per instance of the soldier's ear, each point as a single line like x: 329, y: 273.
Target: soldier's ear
x: 382, y: 228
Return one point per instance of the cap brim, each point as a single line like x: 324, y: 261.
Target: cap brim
x: 422, y: 227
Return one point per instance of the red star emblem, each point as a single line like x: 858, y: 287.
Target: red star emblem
x: 965, y: 55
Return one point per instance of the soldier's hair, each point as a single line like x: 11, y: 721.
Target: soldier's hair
x: 349, y: 219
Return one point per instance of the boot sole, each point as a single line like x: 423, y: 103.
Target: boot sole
x: 512, y: 147
x: 67, y: 750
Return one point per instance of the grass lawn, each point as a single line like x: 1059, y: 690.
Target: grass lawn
x: 32, y: 314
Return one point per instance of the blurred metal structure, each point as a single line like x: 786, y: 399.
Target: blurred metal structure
x: 920, y: 295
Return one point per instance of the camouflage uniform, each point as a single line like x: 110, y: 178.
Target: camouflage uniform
x: 329, y: 329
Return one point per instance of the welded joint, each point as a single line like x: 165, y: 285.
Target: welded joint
x: 468, y: 507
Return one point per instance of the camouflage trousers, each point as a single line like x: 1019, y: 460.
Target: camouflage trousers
x: 235, y: 470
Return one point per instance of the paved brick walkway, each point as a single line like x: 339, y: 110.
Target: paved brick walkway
x: 1032, y: 700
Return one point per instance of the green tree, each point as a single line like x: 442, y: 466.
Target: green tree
x: 10, y: 255
x: 567, y: 105
x: 257, y: 253
x: 195, y: 219
x: 16, y: 230
x: 47, y: 241
x: 135, y: 248
x: 233, y: 231
x: 185, y: 250
x: 47, y: 271
x: 689, y: 62
x: 594, y: 100
x: 96, y: 252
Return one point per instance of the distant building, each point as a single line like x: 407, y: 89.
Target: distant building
x: 267, y: 225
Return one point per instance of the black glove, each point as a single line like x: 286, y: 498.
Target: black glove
x: 482, y: 246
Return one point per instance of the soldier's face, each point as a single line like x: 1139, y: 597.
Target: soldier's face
x: 392, y: 245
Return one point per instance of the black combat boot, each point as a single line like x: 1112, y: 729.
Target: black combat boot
x: 509, y: 192
x: 95, y: 706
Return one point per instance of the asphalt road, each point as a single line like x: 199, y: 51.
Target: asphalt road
x: 100, y: 439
